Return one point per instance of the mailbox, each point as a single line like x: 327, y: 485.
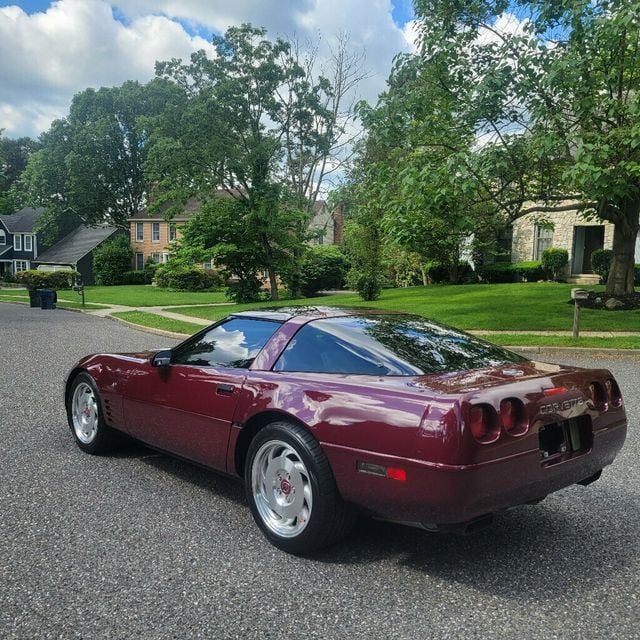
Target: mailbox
x: 579, y: 294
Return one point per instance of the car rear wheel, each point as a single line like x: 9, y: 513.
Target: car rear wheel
x: 292, y: 491
x: 84, y: 414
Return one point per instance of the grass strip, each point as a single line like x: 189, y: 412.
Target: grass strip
x: 155, y: 321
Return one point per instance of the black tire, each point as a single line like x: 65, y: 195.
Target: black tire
x: 94, y: 436
x: 297, y: 462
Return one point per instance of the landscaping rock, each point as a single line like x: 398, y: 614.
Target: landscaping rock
x: 613, y: 303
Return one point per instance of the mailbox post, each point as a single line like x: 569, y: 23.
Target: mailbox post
x: 79, y: 288
x: 577, y: 295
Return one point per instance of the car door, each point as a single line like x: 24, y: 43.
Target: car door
x: 187, y: 407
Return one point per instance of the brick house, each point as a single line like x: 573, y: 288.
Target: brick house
x: 152, y: 234
x: 570, y: 231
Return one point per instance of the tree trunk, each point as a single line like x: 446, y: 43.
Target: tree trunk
x: 273, y: 283
x: 423, y: 273
x: 621, y: 273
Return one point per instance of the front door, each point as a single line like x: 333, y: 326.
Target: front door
x: 187, y: 407
x: 586, y: 240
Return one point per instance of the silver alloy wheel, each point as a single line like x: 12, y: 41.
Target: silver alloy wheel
x: 84, y: 411
x: 281, y: 488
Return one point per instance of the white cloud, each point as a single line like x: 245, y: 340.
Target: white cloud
x: 506, y: 24
x: 49, y: 56
x: 410, y: 33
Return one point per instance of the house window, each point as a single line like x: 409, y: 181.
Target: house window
x: 139, y: 231
x: 207, y: 265
x: 28, y: 243
x: 3, y: 237
x: 155, y: 232
x: 21, y: 265
x: 155, y: 257
x: 173, y: 233
x: 542, y: 239
x: 139, y: 261
x: 17, y: 242
x: 166, y: 256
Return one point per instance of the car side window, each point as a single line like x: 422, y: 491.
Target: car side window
x: 234, y: 343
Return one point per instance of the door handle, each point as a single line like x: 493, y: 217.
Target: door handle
x: 225, y: 389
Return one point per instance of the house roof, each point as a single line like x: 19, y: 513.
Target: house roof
x: 193, y: 206
x: 76, y: 245
x: 23, y: 221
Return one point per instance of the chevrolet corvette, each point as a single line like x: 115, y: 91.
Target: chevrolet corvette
x: 326, y: 413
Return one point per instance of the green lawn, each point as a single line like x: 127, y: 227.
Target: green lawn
x: 500, y: 307
x: 158, y: 322
x: 139, y: 295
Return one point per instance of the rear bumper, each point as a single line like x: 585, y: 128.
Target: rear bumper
x: 439, y: 494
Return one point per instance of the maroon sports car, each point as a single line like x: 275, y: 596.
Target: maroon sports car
x: 327, y: 412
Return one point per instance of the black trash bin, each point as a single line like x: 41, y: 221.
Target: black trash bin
x: 48, y: 298
x: 34, y: 298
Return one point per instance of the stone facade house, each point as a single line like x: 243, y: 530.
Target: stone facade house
x: 570, y: 231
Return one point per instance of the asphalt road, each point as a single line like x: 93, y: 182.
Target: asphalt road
x: 143, y: 546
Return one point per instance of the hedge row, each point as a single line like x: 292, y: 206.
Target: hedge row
x: 34, y: 279
x: 531, y: 271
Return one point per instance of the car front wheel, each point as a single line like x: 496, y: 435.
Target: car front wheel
x: 84, y: 414
x: 292, y: 491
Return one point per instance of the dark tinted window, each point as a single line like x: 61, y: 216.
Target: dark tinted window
x: 234, y: 343
x: 387, y: 346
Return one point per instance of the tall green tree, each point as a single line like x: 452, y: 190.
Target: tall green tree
x: 14, y: 155
x: 258, y: 125
x: 555, y: 104
x: 91, y: 162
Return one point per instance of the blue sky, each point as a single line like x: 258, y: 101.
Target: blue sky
x: 52, y: 50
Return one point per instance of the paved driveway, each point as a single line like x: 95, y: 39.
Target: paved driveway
x: 142, y: 546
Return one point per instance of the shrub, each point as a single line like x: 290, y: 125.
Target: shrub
x: 531, y: 271
x: 248, y: 289
x: 554, y: 261
x: 323, y: 267
x: 636, y: 280
x: 136, y: 277
x: 601, y: 263
x: 111, y: 260
x: 7, y: 276
x: 498, y: 272
x: 437, y: 273
x: 34, y: 279
x: 367, y: 282
x: 185, y: 277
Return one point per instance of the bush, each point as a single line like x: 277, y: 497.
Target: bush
x: 248, y: 289
x: 437, y: 273
x: 35, y: 279
x: 636, y: 280
x: 7, y: 276
x: 554, y: 261
x: 498, y: 272
x: 323, y: 267
x: 185, y: 278
x: 111, y: 260
x: 367, y: 283
x: 531, y: 271
x: 601, y: 263
x: 137, y: 277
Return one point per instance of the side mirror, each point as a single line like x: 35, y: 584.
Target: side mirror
x: 162, y: 358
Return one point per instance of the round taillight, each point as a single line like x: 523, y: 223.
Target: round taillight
x: 513, y: 418
x: 613, y: 393
x: 598, y: 396
x: 482, y: 423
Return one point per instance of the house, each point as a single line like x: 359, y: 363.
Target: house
x: 568, y: 230
x: 20, y: 244
x: 152, y: 234
x: 75, y: 251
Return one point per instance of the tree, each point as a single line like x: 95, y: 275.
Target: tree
x: 91, y: 162
x: 14, y: 155
x: 258, y: 125
x: 556, y: 105
x: 112, y: 259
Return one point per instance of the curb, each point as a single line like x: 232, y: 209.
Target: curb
x: 627, y: 354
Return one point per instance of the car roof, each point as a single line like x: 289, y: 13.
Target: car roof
x: 283, y: 314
